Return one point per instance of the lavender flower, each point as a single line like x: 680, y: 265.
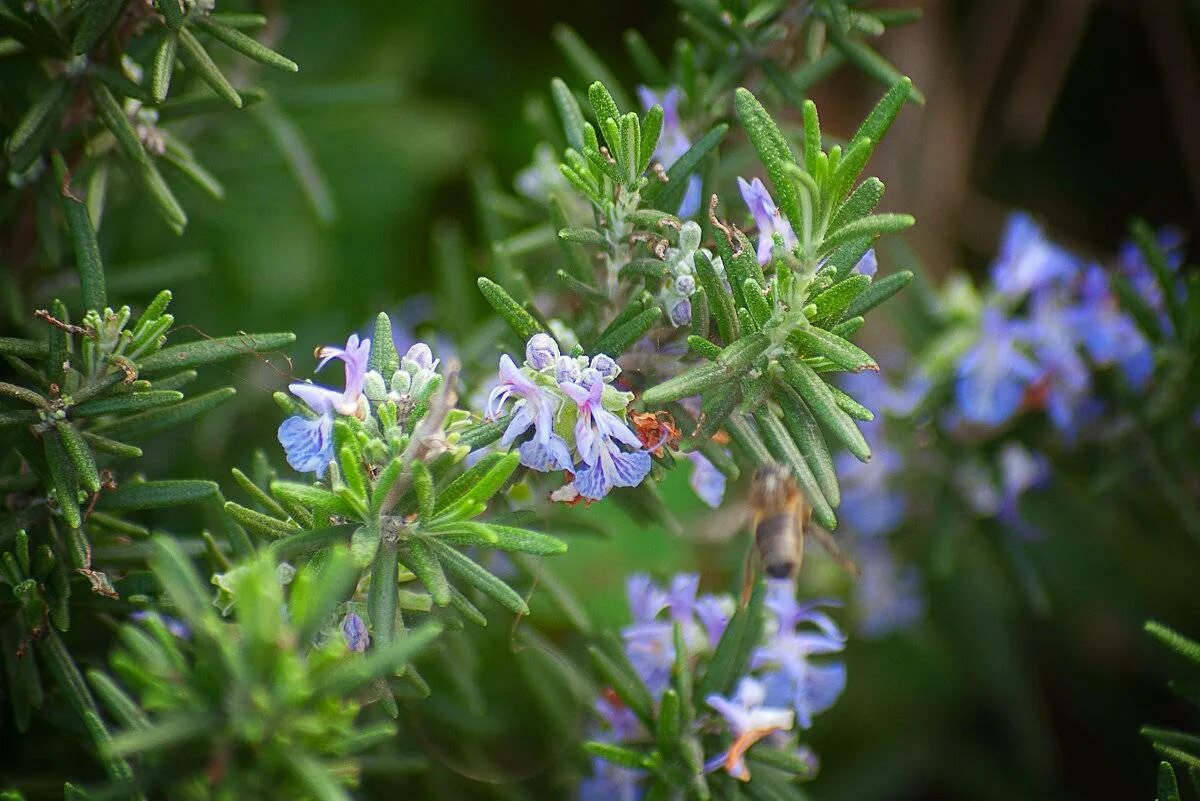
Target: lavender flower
x: 308, y: 442
x: 598, y: 436
x: 1109, y: 335
x: 672, y: 142
x: 791, y: 678
x: 706, y: 480
x: 535, y: 406
x: 354, y: 631
x: 749, y: 721
x: 767, y: 218
x: 1028, y: 262
x: 992, y: 377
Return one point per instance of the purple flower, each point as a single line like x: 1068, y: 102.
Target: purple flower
x: 791, y: 678
x: 1029, y: 262
x: 887, y: 594
x: 1144, y: 279
x: 598, y: 436
x: 714, y: 613
x: 749, y: 721
x: 681, y: 313
x: 421, y: 355
x: 354, y: 630
x: 535, y: 406
x: 706, y: 480
x: 646, y: 599
x: 308, y: 442
x: 1065, y: 382
x: 767, y: 218
x: 611, y: 782
x: 993, y: 375
x: 1020, y: 471
x: 868, y: 265
x: 1109, y: 335
x: 672, y: 142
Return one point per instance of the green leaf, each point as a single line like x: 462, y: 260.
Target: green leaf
x: 157, y: 494
x: 1168, y: 787
x: 614, y: 343
x: 83, y: 238
x: 878, y: 292
x: 313, y: 497
x: 478, y: 484
x: 475, y: 575
x: 62, y: 471
x: 667, y: 196
x: 144, y: 424
x: 1147, y: 243
x: 773, y: 151
x: 179, y: 581
x: 860, y: 54
x: 850, y: 406
x: 81, y: 455
x: 129, y: 402
x: 618, y: 755
x: 420, y: 560
x: 208, y: 71
x: 98, y: 17
x: 112, y: 447
x: 22, y: 348
x: 569, y: 112
x: 784, y: 449
x: 206, y: 351
x: 832, y: 302
x: 734, y: 360
x: 123, y: 708
x: 172, y: 11
x: 732, y: 652
x: 114, y: 118
x: 43, y: 114
x: 248, y: 47
x: 503, y: 538
x: 164, y: 66
x: 265, y: 526
x: 814, y: 341
x: 862, y: 201
x: 1184, y: 646
x: 866, y: 227
x: 615, y: 670
x: 820, y: 401
x: 326, y: 590
x: 807, y: 436
x: 521, y: 321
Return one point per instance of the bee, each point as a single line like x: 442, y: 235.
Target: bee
x: 780, y: 517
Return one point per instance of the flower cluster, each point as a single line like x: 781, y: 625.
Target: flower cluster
x: 680, y: 283
x: 1049, y: 321
x: 576, y: 417
x: 307, y: 437
x: 783, y: 688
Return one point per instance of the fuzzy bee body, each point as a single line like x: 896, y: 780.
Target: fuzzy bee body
x: 780, y: 517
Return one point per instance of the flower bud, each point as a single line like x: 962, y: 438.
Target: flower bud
x: 689, y: 236
x: 566, y: 370
x: 541, y: 351
x: 421, y: 355
x: 590, y: 376
x: 685, y: 285
x: 354, y: 630
x: 374, y: 387
x: 681, y: 313
x: 606, y: 366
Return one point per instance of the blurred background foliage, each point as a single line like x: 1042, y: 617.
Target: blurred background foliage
x: 1081, y: 111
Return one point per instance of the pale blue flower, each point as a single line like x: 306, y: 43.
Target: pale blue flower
x: 749, y: 719
x: 672, y: 142
x: 706, y: 480
x: 767, y: 217
x: 1028, y: 261
x: 887, y: 594
x: 599, y: 435
x: 993, y: 375
x: 308, y: 442
x: 535, y: 406
x: 354, y: 631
